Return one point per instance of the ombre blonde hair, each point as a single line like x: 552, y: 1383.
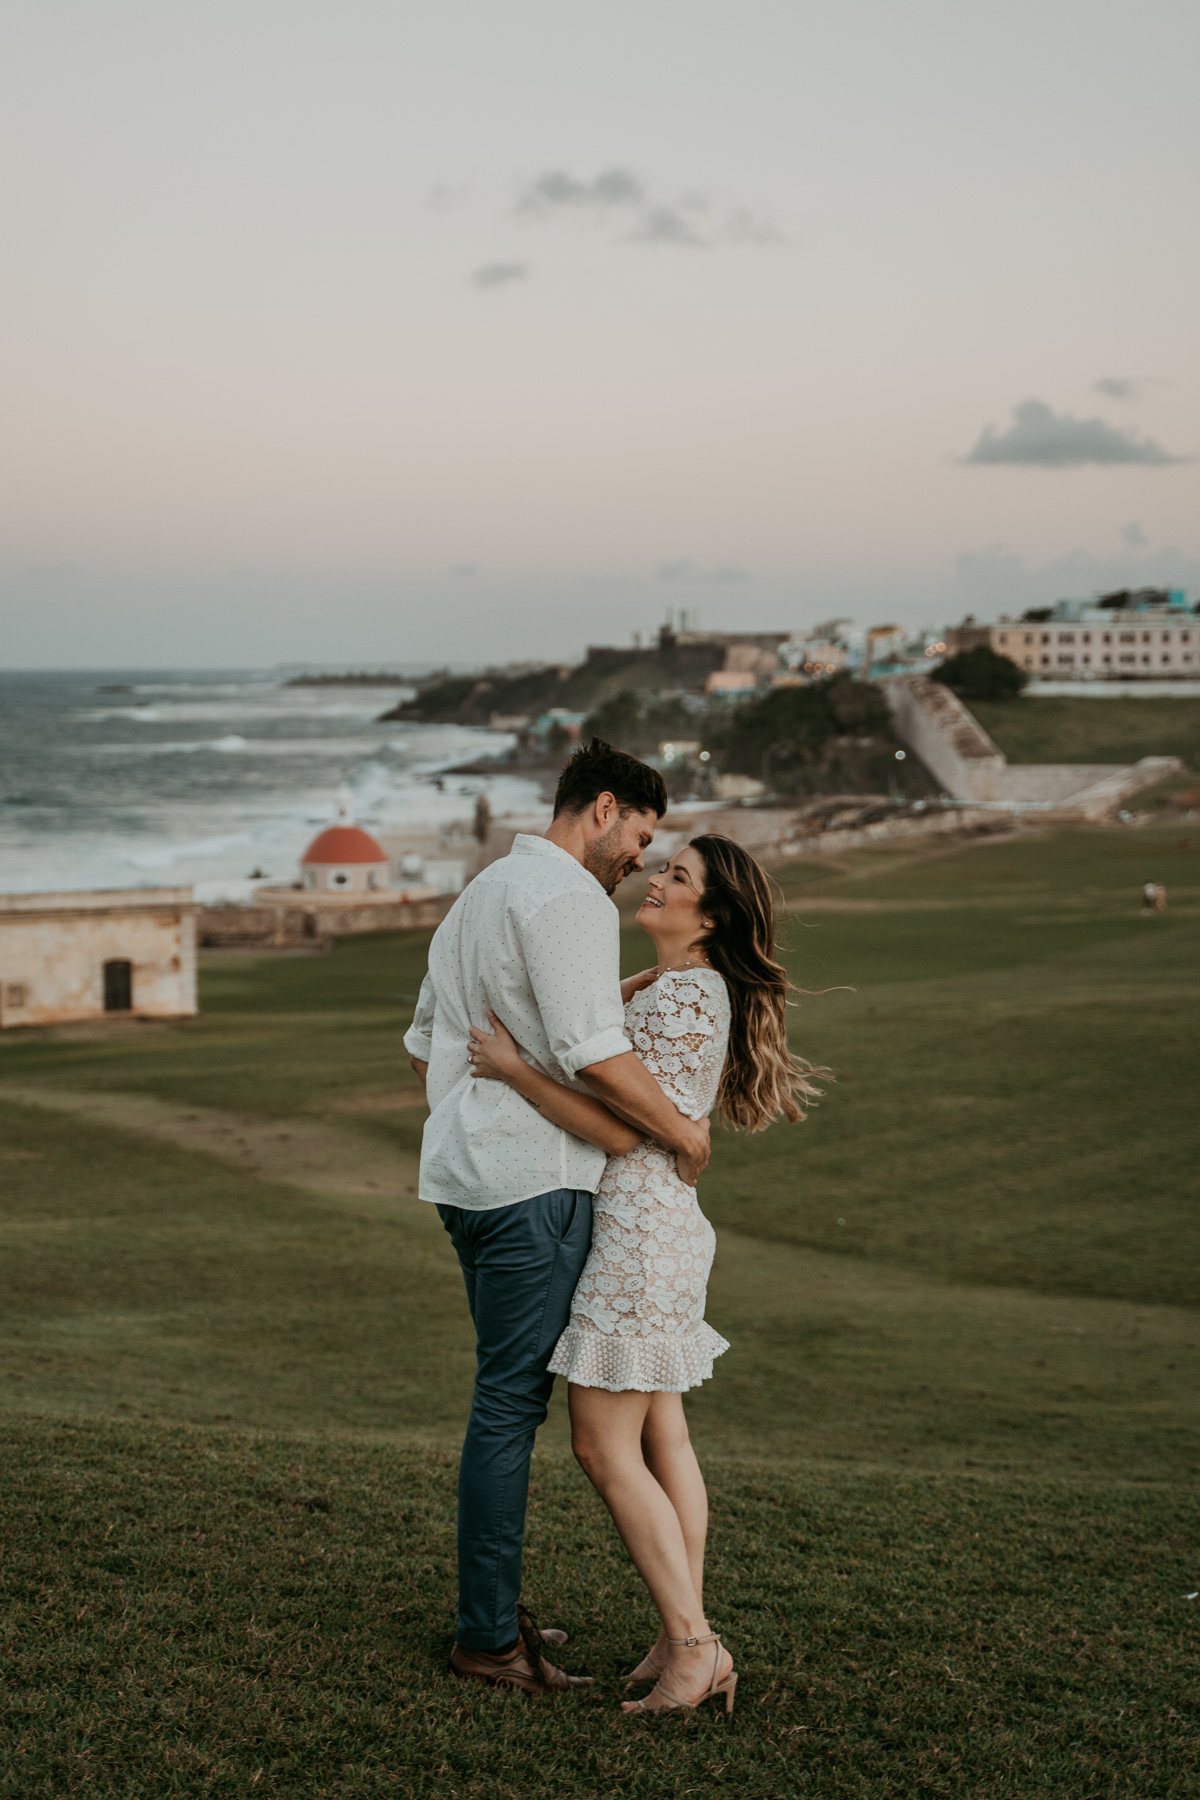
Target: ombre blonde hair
x: 761, y: 1080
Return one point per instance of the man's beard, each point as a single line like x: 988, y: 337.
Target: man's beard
x: 605, y: 859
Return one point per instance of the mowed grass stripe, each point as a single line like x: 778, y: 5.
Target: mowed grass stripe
x: 137, y: 1277
x: 200, y: 1614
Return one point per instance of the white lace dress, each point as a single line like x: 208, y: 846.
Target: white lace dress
x: 637, y: 1319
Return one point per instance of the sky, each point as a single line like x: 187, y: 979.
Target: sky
x: 482, y: 330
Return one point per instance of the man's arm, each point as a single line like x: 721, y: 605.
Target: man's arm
x: 418, y: 1039
x: 584, y: 1021
x: 626, y: 1086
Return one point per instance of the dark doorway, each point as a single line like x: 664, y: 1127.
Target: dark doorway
x: 118, y: 986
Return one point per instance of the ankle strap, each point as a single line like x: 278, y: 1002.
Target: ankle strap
x: 713, y: 1637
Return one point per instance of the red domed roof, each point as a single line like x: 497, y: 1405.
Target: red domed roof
x: 344, y: 844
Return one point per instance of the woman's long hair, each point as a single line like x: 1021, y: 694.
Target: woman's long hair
x: 761, y: 1078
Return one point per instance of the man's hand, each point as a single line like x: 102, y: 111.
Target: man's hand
x: 633, y: 984
x: 692, y: 1159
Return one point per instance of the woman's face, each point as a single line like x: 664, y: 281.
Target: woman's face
x: 671, y: 910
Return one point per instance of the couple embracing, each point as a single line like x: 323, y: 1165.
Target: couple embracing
x: 567, y: 1130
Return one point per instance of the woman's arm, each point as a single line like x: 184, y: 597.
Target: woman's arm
x: 494, y: 1056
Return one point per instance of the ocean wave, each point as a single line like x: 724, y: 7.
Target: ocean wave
x: 234, y: 743
x: 104, y: 814
x: 367, y: 707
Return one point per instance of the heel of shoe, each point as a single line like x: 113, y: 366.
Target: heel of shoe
x: 728, y: 1687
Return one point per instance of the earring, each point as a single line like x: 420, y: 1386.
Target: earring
x: 707, y: 924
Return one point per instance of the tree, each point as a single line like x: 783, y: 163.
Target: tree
x: 981, y: 674
x: 830, y: 735
x: 639, y: 723
x: 618, y: 721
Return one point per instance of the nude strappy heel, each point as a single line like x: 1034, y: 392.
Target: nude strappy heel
x: 636, y: 1676
x: 727, y: 1686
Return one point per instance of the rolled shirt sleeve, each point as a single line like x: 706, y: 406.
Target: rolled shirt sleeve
x: 418, y: 1039
x: 572, y: 950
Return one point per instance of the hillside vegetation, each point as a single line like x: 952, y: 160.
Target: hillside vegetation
x: 472, y: 699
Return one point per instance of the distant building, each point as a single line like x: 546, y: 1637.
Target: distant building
x: 559, y: 725
x: 103, y: 954
x: 731, y: 681
x: 345, y: 859
x: 755, y: 653
x: 346, y: 886
x: 824, y: 657
x: 1099, y: 644
x: 885, y: 647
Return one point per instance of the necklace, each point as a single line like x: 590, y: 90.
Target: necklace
x: 674, y: 968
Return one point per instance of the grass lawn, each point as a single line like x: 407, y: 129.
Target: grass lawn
x: 952, y: 1452
x: 1060, y: 728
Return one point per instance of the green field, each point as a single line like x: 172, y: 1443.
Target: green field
x: 1060, y: 728
x: 953, y: 1451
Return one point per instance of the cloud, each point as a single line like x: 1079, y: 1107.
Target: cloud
x: 685, y: 570
x: 1134, y: 536
x: 693, y: 221
x: 1043, y: 439
x: 668, y: 225
x: 1118, y: 387
x: 556, y: 191
x: 499, y: 274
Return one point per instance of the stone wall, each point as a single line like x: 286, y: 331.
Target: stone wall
x: 958, y: 752
x: 307, y: 923
x: 949, y: 740
x: 777, y: 834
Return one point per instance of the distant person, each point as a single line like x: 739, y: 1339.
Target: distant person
x: 709, y: 1025
x: 534, y: 938
x: 1154, y: 898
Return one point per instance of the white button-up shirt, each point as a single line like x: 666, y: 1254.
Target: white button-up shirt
x: 535, y: 938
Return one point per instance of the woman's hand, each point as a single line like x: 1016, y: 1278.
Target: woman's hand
x: 636, y: 983
x: 494, y: 1055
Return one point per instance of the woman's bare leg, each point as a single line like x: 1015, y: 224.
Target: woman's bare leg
x: 669, y: 1456
x: 606, y: 1436
x: 667, y: 1450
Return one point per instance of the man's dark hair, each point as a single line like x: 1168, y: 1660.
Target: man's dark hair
x: 596, y: 769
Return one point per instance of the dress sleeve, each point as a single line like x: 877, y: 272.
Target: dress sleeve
x: 418, y: 1039
x: 678, y: 1035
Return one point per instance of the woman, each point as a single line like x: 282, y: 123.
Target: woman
x: 709, y: 1023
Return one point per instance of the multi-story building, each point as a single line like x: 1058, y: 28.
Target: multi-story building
x: 1096, y: 644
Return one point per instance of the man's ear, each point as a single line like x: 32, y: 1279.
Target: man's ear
x: 605, y: 810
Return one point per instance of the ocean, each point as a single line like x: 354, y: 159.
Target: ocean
x: 214, y: 780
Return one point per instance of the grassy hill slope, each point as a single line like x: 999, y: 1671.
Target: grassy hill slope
x: 1064, y: 729
x: 953, y: 1448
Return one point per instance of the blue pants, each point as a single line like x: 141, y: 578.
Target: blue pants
x: 521, y: 1264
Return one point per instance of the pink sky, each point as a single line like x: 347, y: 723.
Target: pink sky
x: 463, y: 331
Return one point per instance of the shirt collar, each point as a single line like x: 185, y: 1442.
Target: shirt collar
x: 525, y: 844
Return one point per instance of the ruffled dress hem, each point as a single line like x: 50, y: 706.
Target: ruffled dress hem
x: 661, y: 1363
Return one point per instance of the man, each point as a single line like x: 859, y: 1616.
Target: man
x: 535, y: 938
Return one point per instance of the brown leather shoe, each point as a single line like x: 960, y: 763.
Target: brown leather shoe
x: 522, y: 1667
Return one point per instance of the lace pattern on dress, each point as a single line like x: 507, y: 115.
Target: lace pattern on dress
x: 637, y: 1319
